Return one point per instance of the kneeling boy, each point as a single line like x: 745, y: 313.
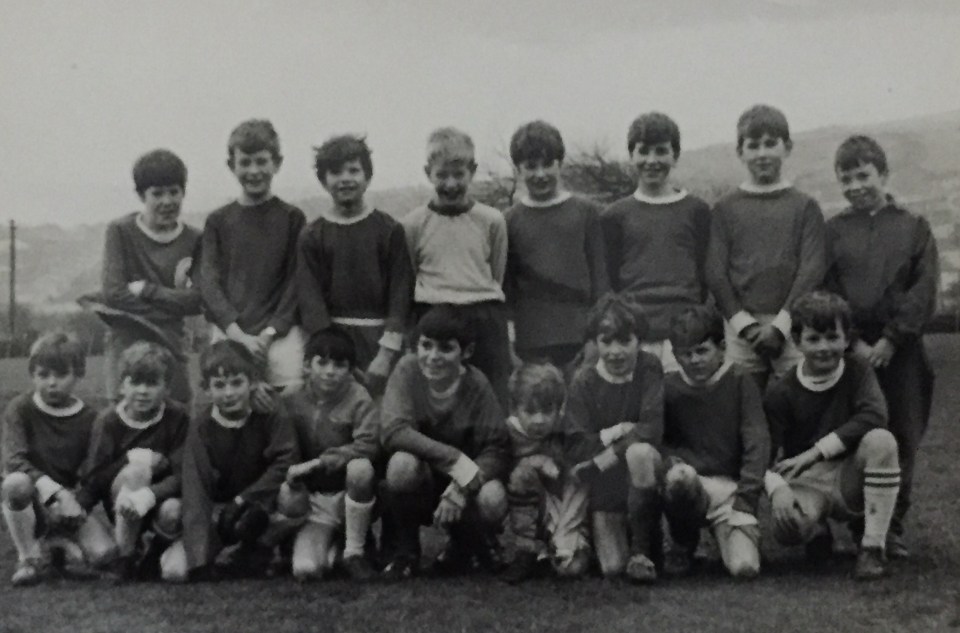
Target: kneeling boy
x: 337, y: 431
x: 442, y: 425
x: 718, y: 444
x: 830, y: 418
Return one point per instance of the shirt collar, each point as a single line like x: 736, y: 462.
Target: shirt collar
x: 676, y: 196
x: 58, y: 412
x: 750, y: 187
x: 161, y: 238
x: 820, y: 383
x: 712, y: 380
x: 353, y: 219
x: 139, y: 424
x: 226, y: 422
x: 615, y: 380
x: 562, y: 196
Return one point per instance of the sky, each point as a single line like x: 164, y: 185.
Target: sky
x: 87, y: 87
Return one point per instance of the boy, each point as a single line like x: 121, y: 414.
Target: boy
x: 135, y: 459
x: 883, y: 261
x: 766, y: 249
x: 656, y: 239
x: 619, y: 404
x: 459, y: 252
x: 449, y: 451
x: 235, y: 459
x: 45, y: 437
x: 147, y: 258
x: 248, y: 259
x: 545, y: 503
x: 353, y: 267
x: 337, y: 431
x: 555, y: 263
x: 718, y: 447
x: 839, y: 461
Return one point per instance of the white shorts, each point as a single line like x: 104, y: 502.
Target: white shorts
x: 327, y: 508
x: 741, y: 353
x: 722, y: 492
x: 824, y: 477
x: 284, y: 357
x: 663, y: 350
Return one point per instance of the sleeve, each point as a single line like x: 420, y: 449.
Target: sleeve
x: 831, y: 275
x: 613, y: 246
x: 776, y: 407
x: 812, y: 262
x: 16, y: 447
x: 491, y: 438
x: 211, y: 285
x: 498, y: 248
x: 411, y: 232
x: 595, y: 250
x: 280, y: 453
x: 717, y: 266
x: 180, y: 302
x: 199, y: 479
x: 170, y: 484
x: 917, y: 304
x: 755, y: 443
x: 400, y: 286
x: 649, y: 422
x: 511, y: 272
x: 365, y: 435
x: 582, y: 444
x: 313, y: 308
x: 114, y: 277
x: 869, y: 412
x: 286, y: 314
x: 102, y: 465
x: 701, y: 243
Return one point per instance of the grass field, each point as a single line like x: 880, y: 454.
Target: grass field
x: 922, y: 595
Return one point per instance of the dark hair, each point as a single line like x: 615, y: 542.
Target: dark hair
x: 444, y: 322
x: 614, y: 315
x: 538, y: 386
x: 759, y: 120
x: 537, y: 139
x: 158, y: 168
x: 58, y: 352
x: 226, y: 358
x: 339, y: 150
x: 819, y: 310
x: 653, y: 128
x: 860, y: 150
x: 333, y: 343
x: 254, y: 136
x: 147, y: 363
x: 694, y: 325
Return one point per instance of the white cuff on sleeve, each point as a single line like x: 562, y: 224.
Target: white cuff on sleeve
x: 830, y: 446
x: 741, y: 320
x: 46, y: 488
x: 783, y: 322
x: 606, y: 460
x: 463, y: 470
x: 772, y: 481
x: 611, y: 434
x: 393, y: 341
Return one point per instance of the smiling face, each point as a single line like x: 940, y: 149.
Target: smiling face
x: 161, y: 206
x: 55, y: 388
x: 618, y: 353
x: 231, y: 394
x: 254, y: 172
x: 326, y: 375
x: 346, y: 186
x: 536, y: 422
x: 822, y: 351
x: 763, y: 157
x: 440, y: 362
x: 653, y: 163
x: 541, y: 176
x: 451, y: 180
x: 701, y: 361
x: 864, y: 187
x: 142, y: 398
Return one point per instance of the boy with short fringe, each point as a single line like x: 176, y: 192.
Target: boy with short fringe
x: 766, y: 249
x: 147, y: 260
x: 619, y: 404
x: 829, y: 418
x: 548, y: 509
x: 234, y: 462
x: 883, y: 261
x: 656, y: 239
x: 459, y: 251
x: 717, y: 444
x: 556, y: 269
x: 46, y: 433
x: 353, y: 267
x: 248, y: 259
x: 135, y: 461
x: 337, y: 431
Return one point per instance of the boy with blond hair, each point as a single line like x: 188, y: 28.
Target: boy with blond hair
x: 459, y: 252
x: 766, y: 249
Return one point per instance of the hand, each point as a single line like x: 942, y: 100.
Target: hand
x: 301, y: 470
x: 881, y: 353
x: 123, y: 505
x: 549, y: 469
x: 793, y: 467
x: 181, y: 275
x: 769, y: 342
x: 379, y: 370
x: 136, y: 287
x: 451, y: 506
x: 251, y: 342
x: 862, y: 351
x: 228, y: 518
x: 262, y: 398
x: 786, y: 512
x: 585, y: 473
x: 264, y: 341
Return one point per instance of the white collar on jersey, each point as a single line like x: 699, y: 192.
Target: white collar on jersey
x: 58, y: 412
x: 820, y: 383
x: 562, y: 196
x: 164, y: 237
x: 712, y: 380
x: 614, y: 380
x: 750, y: 187
x: 353, y: 219
x: 226, y: 422
x: 676, y: 196
x: 139, y: 424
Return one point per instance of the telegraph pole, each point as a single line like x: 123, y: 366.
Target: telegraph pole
x: 12, y: 316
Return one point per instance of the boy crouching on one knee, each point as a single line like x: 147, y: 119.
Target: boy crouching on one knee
x: 135, y: 460
x: 717, y: 441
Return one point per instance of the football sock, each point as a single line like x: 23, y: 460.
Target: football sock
x: 880, y: 488
x: 22, y: 525
x: 357, y: 517
x: 125, y: 532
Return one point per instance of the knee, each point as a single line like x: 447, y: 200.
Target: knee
x: 17, y: 491
x: 173, y: 564
x: 293, y: 502
x: 878, y: 444
x: 132, y: 477
x: 360, y: 476
x: 404, y: 472
x: 744, y: 568
x: 169, y: 517
x: 643, y: 462
x: 492, y: 502
x: 100, y: 555
x: 305, y: 569
x: 612, y: 565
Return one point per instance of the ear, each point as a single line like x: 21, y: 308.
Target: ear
x: 230, y: 163
x: 140, y: 194
x: 278, y: 159
x: 472, y: 167
x: 467, y: 352
x: 426, y: 170
x: 788, y: 145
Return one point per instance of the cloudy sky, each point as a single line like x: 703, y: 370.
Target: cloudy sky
x: 88, y: 86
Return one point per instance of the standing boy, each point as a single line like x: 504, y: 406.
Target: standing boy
x: 353, y: 267
x: 883, y: 261
x: 459, y: 251
x: 555, y: 266
x: 248, y: 259
x: 718, y: 445
x: 147, y: 259
x: 766, y: 249
x: 829, y: 418
x: 46, y: 433
x: 656, y: 239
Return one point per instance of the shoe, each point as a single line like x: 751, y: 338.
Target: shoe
x: 489, y: 555
x: 526, y: 565
x: 452, y: 561
x: 358, y: 568
x: 819, y: 549
x: 29, y: 572
x: 896, y: 548
x: 678, y: 561
x: 871, y: 564
x: 122, y: 570
x: 247, y: 561
x: 400, y: 568
x: 641, y: 569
